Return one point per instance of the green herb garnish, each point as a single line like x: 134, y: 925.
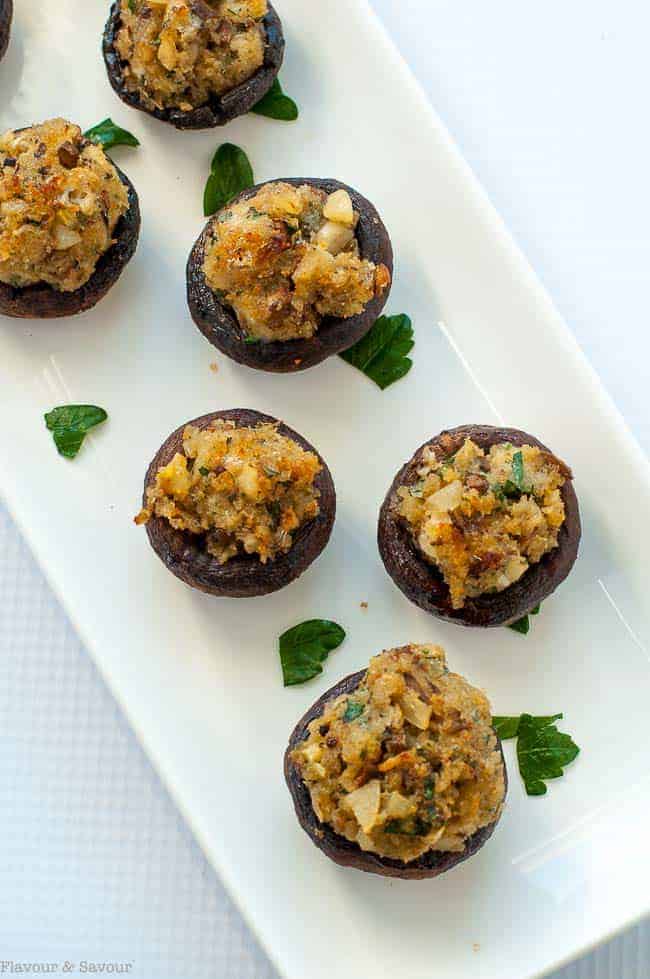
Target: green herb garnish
x: 508, y: 727
x: 276, y: 105
x: 230, y: 173
x: 106, y: 134
x: 513, y: 488
x: 353, y: 710
x: 523, y: 625
x: 69, y: 424
x: 518, y: 470
x: 304, y: 647
x: 381, y: 353
x: 542, y: 750
x: 204, y: 471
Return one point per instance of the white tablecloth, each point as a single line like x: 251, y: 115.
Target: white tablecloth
x: 548, y: 103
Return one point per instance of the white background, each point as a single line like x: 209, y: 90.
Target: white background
x: 549, y: 105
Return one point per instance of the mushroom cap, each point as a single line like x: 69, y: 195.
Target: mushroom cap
x: 220, y: 326
x: 220, y: 109
x: 347, y: 853
x: 244, y: 575
x: 41, y: 301
x: 423, y: 583
x: 6, y: 14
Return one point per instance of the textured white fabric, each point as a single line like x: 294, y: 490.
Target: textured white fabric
x: 95, y: 861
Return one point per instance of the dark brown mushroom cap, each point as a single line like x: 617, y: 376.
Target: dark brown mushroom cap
x: 349, y: 854
x: 220, y: 109
x: 242, y: 576
x: 220, y: 326
x: 423, y: 583
x: 41, y: 301
x: 6, y: 13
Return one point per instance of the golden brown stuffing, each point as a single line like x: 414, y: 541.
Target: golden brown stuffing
x: 287, y: 257
x: 409, y: 761
x: 246, y: 489
x: 179, y: 54
x: 484, y: 518
x: 60, y: 200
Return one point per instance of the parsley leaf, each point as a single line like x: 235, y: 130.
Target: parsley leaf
x: 523, y: 625
x: 381, y: 353
x: 518, y: 470
x: 230, y: 173
x: 304, y: 647
x: 353, y: 710
x: 542, y: 750
x: 508, y: 727
x: 276, y: 105
x: 513, y: 488
x: 69, y: 424
x: 106, y: 134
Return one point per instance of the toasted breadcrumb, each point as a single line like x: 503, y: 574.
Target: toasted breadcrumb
x: 246, y: 489
x: 288, y: 257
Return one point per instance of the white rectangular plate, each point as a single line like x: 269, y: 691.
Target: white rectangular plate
x: 198, y: 677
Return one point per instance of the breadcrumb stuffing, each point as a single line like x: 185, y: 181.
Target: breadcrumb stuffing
x: 60, y: 201
x: 247, y: 490
x: 288, y: 257
x: 408, y: 762
x: 483, y: 518
x: 178, y: 54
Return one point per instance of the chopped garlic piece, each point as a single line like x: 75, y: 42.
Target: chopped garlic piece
x: 364, y: 803
x: 415, y: 710
x: 338, y: 208
x: 334, y: 237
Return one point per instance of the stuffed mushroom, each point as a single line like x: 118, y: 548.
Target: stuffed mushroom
x: 480, y: 526
x: 69, y: 221
x: 6, y: 14
x: 397, y: 769
x: 237, y: 504
x: 290, y: 272
x: 193, y: 63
